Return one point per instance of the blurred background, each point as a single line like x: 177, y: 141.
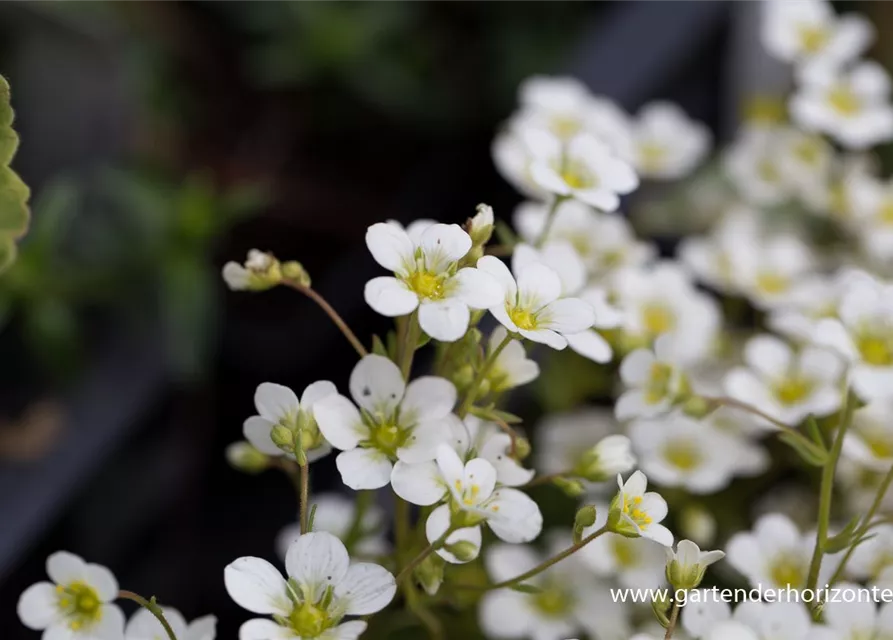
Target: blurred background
x: 162, y: 139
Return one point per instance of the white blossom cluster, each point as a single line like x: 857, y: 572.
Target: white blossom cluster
x: 758, y: 353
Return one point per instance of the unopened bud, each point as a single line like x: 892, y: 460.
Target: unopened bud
x: 429, y: 573
x: 244, y: 457
x: 522, y: 448
x: 464, y: 550
x: 283, y: 437
x: 585, y: 518
x: 480, y: 227
x: 697, y: 407
x: 573, y: 488
x: 295, y: 272
x: 260, y: 271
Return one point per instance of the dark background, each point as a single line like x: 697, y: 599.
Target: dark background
x: 337, y: 116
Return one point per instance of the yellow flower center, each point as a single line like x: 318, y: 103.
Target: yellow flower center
x: 388, y: 437
x: 658, y: 385
x: 768, y: 171
x: 553, y: 601
x: 657, y: 319
x: 787, y: 572
x: 812, y: 38
x: 308, y: 620
x: 875, y: 350
x: 632, y: 508
x: 81, y: 605
x: 772, y: 283
x: 682, y: 455
x: 577, y: 177
x: 565, y: 127
x: 878, y: 442
x: 523, y: 318
x: 885, y: 213
x: 808, y: 150
x: 426, y: 285
x: 793, y: 390
x: 764, y: 109
x: 624, y: 552
x: 843, y: 100
x: 652, y: 156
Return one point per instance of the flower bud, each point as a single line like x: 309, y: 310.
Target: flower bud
x: 697, y: 407
x: 429, y: 573
x: 283, y: 437
x: 480, y: 227
x: 585, y: 518
x: 244, y: 457
x: 687, y: 565
x: 612, y: 455
x: 522, y: 448
x: 295, y: 272
x: 261, y: 271
x: 571, y: 487
x: 464, y: 550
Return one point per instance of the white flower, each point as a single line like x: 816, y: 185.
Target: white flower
x: 605, y: 242
x: 660, y: 299
x: 655, y: 380
x: 636, y: 563
x: 809, y: 31
x: 869, y: 440
x: 143, y: 625
x: 473, y: 497
x: 678, y: 451
x: 76, y: 605
x: 564, y: 439
x: 667, y: 143
x: 852, y: 106
x: 561, y: 257
x: 335, y: 514
x: 775, y: 554
x: 512, y: 368
x: 705, y: 616
x: 872, y: 201
x: 279, y: 409
x: 476, y: 438
x: 687, y: 564
x: 426, y: 276
x: 515, y: 150
x: 585, y: 169
x: 567, y: 600
x: 240, y: 277
x: 860, y: 485
x: 787, y: 386
x: 395, y: 421
x: 856, y: 620
x: 872, y: 558
x: 768, y: 267
x: 754, y: 166
x: 323, y: 587
x: 559, y: 105
x: 639, y: 513
x: 714, y: 258
x: 533, y: 306
x: 864, y: 335
x: 805, y: 161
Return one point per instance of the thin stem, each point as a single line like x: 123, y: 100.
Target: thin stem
x: 488, y: 363
x: 674, y: 618
x: 827, y: 493
x: 428, y: 619
x: 546, y: 479
x: 512, y: 434
x: 737, y: 404
x: 304, y: 493
x: 419, y: 559
x: 333, y: 315
x: 411, y: 331
x: 356, y: 532
x: 865, y: 526
x: 152, y: 607
x: 511, y: 582
x: 550, y: 219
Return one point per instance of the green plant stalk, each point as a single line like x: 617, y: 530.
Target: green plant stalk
x: 411, y: 331
x: 472, y: 392
x: 865, y: 525
x: 550, y: 219
x: 737, y: 404
x: 152, y: 607
x: 674, y: 618
x: 826, y: 495
x: 304, y: 498
x: 511, y: 582
x: 333, y: 315
x: 428, y: 619
x: 355, y: 533
x: 419, y: 559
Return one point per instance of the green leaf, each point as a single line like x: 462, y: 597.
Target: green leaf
x: 844, y: 539
x: 815, y: 432
x: 810, y: 452
x: 14, y: 194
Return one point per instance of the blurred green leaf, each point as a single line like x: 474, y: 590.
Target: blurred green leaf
x: 14, y: 193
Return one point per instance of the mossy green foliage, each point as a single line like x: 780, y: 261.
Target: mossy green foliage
x: 14, y: 193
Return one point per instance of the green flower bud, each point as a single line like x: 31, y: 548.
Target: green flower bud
x: 480, y: 227
x: 585, y: 518
x: 464, y: 550
x: 697, y: 407
x: 295, y: 272
x: 687, y: 565
x: 283, y: 437
x: 244, y: 457
x: 430, y: 573
x: 522, y: 448
x: 573, y: 488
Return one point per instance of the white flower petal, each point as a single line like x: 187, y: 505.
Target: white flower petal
x: 275, y: 401
x: 451, y: 467
x: 506, y: 614
x: 263, y: 629
x: 364, y: 468
x: 545, y: 336
x: 64, y: 568
x: 204, y: 628
x: 376, y: 384
x: 768, y: 355
x: 442, y: 245
x: 438, y: 523
x: 339, y: 422
x: 419, y: 484
x: 428, y: 398
x: 538, y: 285
x: 256, y: 585
x: 345, y: 631
x: 316, y: 561
x: 421, y: 445
x: 257, y: 431
x: 38, y: 606
x: 110, y: 625
x: 390, y: 246
x: 477, y: 289
x: 445, y: 320
x: 496, y: 268
x: 568, y: 316
x: 590, y: 344
x: 513, y: 516
x: 390, y: 297
x: 367, y: 588
x: 102, y: 580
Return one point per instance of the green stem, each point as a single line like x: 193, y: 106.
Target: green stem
x: 152, y: 607
x: 674, y: 618
x: 864, y: 526
x: 488, y: 363
x: 550, y: 219
x: 333, y: 315
x: 827, y: 493
x: 304, y: 496
x: 737, y: 404
x: 546, y: 479
x: 356, y: 532
x: 419, y: 559
x: 511, y: 582
x: 428, y: 619
x: 410, y: 338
